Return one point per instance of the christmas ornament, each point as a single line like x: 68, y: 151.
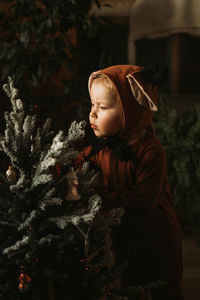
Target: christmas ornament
x: 11, y: 174
x: 24, y: 280
x: 72, y: 182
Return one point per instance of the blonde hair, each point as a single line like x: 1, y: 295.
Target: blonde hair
x: 106, y: 81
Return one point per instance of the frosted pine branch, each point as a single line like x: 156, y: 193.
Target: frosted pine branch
x: 11, y: 92
x: 76, y: 131
x: 36, y: 145
x: 28, y: 221
x: 59, y: 152
x: 21, y: 182
x: 10, y: 140
x: 47, y: 239
x: 40, y: 179
x: 95, y: 206
x: 46, y: 127
x: 17, y: 122
x: 89, y: 179
x: 29, y: 125
x: 17, y: 245
x: 50, y: 202
x: 7, y: 149
x: 46, y: 163
x: 50, y: 192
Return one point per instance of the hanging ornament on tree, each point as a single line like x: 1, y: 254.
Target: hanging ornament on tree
x: 24, y: 280
x: 72, y: 184
x: 11, y: 174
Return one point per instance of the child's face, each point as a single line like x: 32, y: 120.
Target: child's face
x: 106, y: 112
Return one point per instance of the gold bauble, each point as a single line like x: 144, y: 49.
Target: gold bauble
x: 11, y: 174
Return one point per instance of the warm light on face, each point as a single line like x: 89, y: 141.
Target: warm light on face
x: 106, y: 112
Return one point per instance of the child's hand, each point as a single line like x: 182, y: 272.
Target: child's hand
x: 72, y: 184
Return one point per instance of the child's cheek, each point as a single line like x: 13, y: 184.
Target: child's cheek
x: 109, y: 123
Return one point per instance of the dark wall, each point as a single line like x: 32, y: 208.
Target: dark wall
x: 181, y: 54
x: 114, y: 44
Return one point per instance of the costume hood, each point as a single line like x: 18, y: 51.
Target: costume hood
x: 137, y: 94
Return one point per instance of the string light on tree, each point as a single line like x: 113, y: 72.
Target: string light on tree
x: 24, y: 280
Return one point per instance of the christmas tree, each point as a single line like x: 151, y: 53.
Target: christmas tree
x: 54, y: 237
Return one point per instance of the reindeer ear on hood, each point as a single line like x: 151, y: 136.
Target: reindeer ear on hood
x: 144, y: 92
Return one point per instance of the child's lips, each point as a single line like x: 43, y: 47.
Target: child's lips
x: 93, y: 126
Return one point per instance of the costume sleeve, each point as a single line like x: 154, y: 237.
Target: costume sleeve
x: 77, y: 163
x: 80, y: 159
x: 145, y: 194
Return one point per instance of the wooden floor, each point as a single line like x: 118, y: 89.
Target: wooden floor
x: 191, y: 272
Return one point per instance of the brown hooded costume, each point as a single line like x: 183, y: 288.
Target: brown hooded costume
x: 149, y: 236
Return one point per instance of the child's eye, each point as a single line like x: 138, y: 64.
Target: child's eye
x: 103, y: 107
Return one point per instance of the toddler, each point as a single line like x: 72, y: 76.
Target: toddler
x: 133, y: 163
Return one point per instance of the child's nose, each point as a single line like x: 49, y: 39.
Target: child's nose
x: 93, y: 114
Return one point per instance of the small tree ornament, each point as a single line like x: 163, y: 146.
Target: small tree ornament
x: 72, y: 183
x: 11, y: 174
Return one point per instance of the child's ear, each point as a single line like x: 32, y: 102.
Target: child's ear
x: 140, y: 95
